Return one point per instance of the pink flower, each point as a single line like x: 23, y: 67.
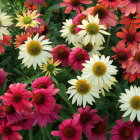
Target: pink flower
x: 3, y: 76
x: 9, y: 131
x: 44, y: 119
x: 17, y: 97
x: 130, y: 6
x: 88, y: 118
x: 77, y: 57
x: 122, y: 131
x: 61, y: 53
x: 43, y: 100
x: 74, y: 5
x: 129, y: 36
x: 69, y: 129
x: 106, y: 16
x: 98, y: 132
x: 123, y: 53
x: 42, y: 82
x: 36, y: 1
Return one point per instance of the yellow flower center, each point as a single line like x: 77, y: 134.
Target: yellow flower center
x: 82, y: 87
x: 34, y: 48
x: 88, y: 47
x: 92, y: 28
x: 72, y: 28
x: 135, y: 102
x: 27, y: 20
x: 99, y: 69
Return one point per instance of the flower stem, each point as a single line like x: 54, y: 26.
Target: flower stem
x: 108, y: 39
x: 30, y: 135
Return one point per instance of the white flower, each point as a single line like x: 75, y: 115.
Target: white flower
x: 82, y: 91
x: 131, y: 103
x: 5, y: 21
x: 92, y: 31
x: 68, y: 32
x: 99, y: 71
x: 35, y: 51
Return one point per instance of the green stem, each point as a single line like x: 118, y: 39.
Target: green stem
x: 43, y: 133
x: 30, y: 135
x: 108, y: 39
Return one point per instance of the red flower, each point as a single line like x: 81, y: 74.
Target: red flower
x: 74, y: 5
x: 3, y: 76
x: 31, y: 6
x: 37, y: 1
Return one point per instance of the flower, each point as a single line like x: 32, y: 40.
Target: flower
x: 5, y: 42
x: 68, y: 32
x: 98, y: 132
x: 43, y: 99
x: 3, y: 78
x: 36, y: 1
x: 5, y: 21
x: 130, y: 103
x: 101, y: 70
x: 17, y: 96
x: 50, y: 67
x: 82, y: 91
x: 69, y: 129
x: 28, y: 19
x: 20, y: 39
x: 130, y: 6
x: 74, y: 5
x: 44, y: 119
x: 106, y: 16
x: 92, y: 30
x: 129, y: 36
x: 122, y: 131
x: 30, y: 6
x: 123, y: 54
x: 42, y: 82
x: 136, y: 128
x: 9, y: 131
x: 35, y: 51
x: 131, y: 77
x: 88, y: 118
x: 77, y: 57
x: 109, y: 3
x: 61, y: 53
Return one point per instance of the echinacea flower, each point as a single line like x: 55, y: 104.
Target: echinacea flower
x: 136, y: 128
x: 99, y: 70
x: 50, y: 67
x: 28, y: 19
x: 42, y: 82
x: 99, y: 130
x: 68, y: 31
x: 17, y: 96
x: 88, y: 118
x: 5, y: 21
x: 3, y: 77
x: 69, y: 129
x: 77, y: 57
x: 130, y: 6
x: 130, y: 103
x: 43, y: 99
x: 122, y: 131
x: 9, y: 131
x: 37, y: 1
x: 129, y: 36
x: 92, y: 31
x: 35, y: 51
x: 30, y: 6
x: 82, y: 91
x: 106, y: 16
x: 61, y: 53
x: 74, y: 5
x: 5, y: 42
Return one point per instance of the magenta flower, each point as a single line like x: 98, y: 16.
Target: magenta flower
x: 36, y: 1
x: 3, y: 78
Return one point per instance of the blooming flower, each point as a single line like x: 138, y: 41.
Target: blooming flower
x: 136, y: 128
x: 69, y: 129
x: 28, y: 19
x: 37, y: 1
x: 122, y: 131
x: 106, y: 16
x: 77, y: 57
x: 82, y: 91
x: 74, y: 5
x: 3, y: 78
x: 131, y: 77
x: 130, y: 103
x: 92, y: 31
x: 61, y: 53
x: 35, y: 51
x: 5, y: 21
x: 17, y: 96
x: 31, y: 6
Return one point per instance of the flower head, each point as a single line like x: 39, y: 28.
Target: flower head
x: 3, y: 76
